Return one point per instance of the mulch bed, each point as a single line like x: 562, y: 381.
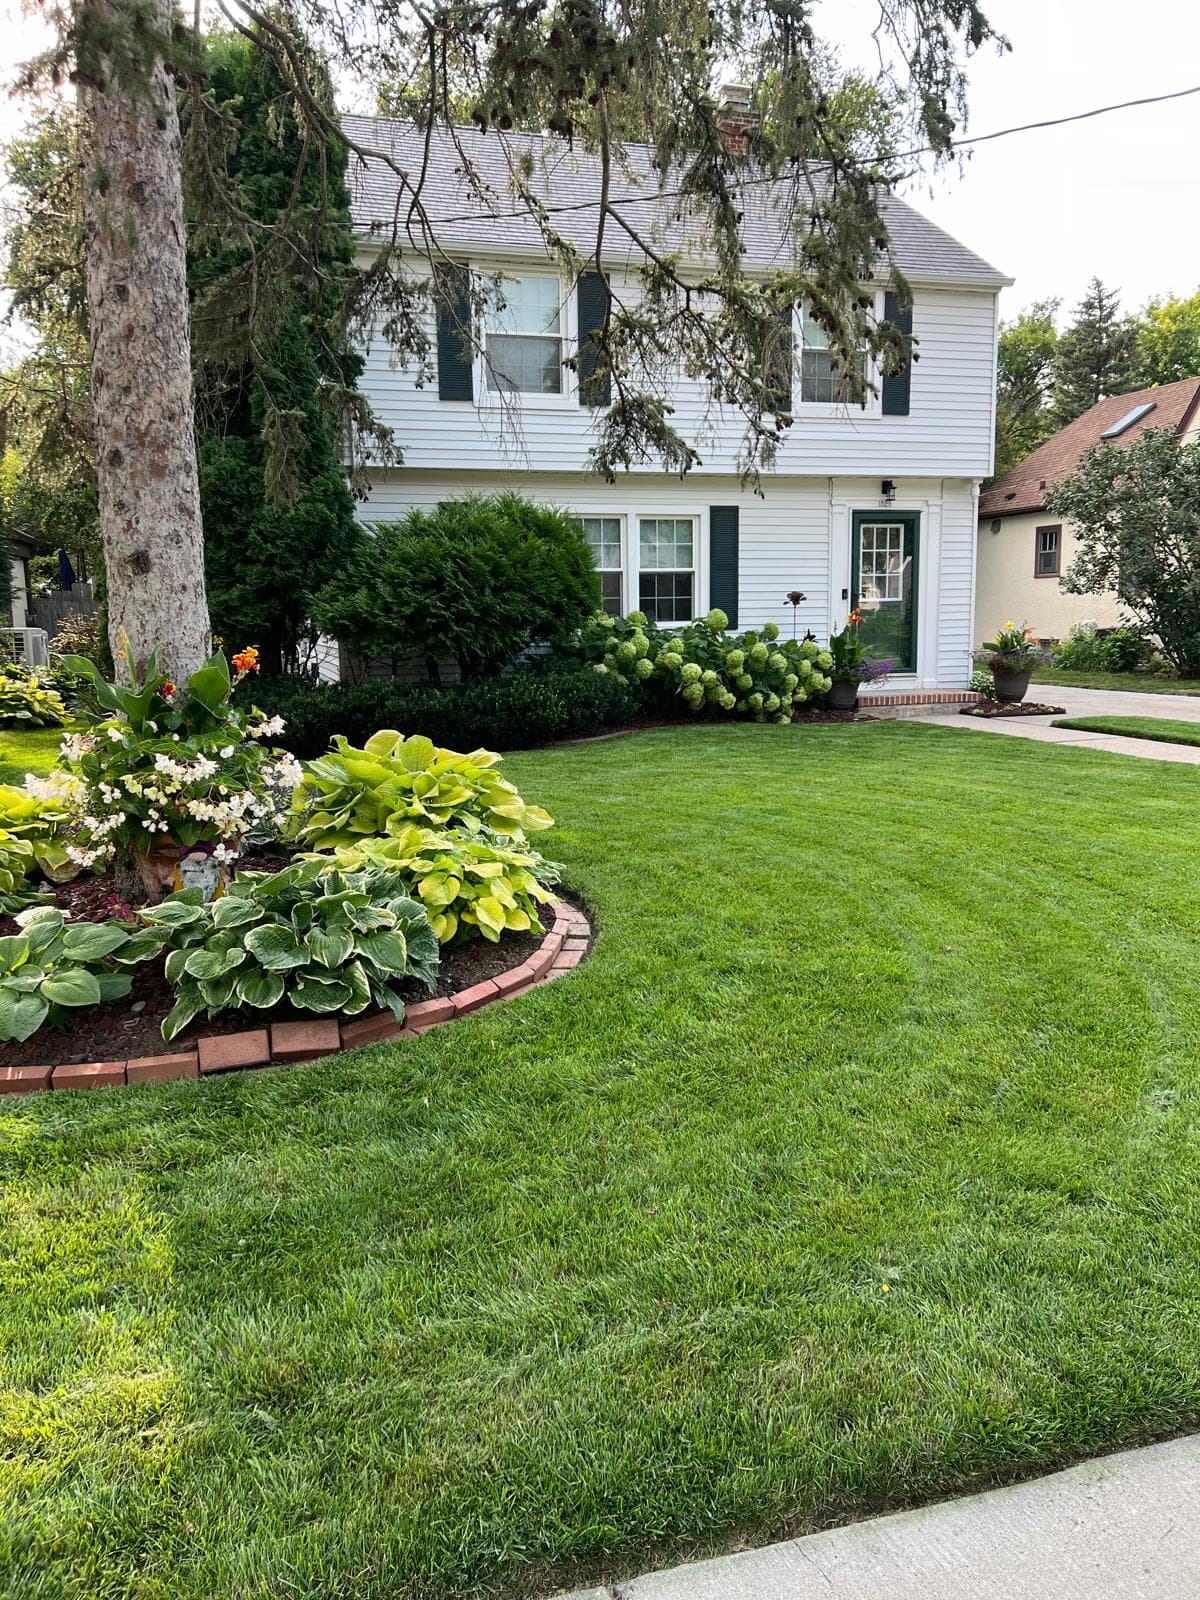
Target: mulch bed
x: 131, y: 1027
x: 1021, y: 708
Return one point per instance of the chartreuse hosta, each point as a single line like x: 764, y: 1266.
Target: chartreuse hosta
x: 352, y: 794
x: 49, y: 968
x: 470, y: 882
x: 332, y: 941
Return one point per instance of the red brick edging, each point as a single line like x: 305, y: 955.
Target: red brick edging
x: 562, y: 949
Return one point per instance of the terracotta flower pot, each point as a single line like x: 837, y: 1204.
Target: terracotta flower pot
x: 843, y: 696
x: 1011, y: 686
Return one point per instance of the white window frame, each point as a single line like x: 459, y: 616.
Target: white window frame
x: 490, y: 399
x: 620, y: 569
x: 632, y: 513
x: 697, y: 535
x: 833, y: 408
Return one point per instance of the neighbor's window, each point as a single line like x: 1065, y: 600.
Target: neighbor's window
x: 820, y: 381
x: 523, y: 339
x: 666, y: 579
x: 1048, y: 552
x: 603, y: 534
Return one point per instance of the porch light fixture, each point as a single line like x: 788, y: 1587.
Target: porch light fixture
x: 887, y: 490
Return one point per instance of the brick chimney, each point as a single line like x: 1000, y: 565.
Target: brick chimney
x: 735, y: 115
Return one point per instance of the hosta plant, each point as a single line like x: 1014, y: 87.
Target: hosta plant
x: 470, y: 883
x: 353, y: 794
x: 38, y: 823
x: 51, y: 967
x: 28, y: 699
x: 321, y: 939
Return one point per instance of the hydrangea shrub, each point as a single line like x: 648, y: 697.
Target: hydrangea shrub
x: 704, y: 670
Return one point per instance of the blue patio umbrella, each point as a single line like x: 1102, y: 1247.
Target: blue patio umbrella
x: 66, y: 572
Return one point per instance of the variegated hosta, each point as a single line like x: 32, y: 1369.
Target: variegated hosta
x: 470, y: 883
x: 323, y: 940
x: 49, y: 967
x: 352, y: 794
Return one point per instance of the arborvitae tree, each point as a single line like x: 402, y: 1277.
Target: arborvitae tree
x: 1097, y: 355
x: 1025, y: 383
x: 269, y: 361
x: 645, y: 65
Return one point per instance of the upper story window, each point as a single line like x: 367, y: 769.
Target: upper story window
x: 667, y: 568
x: 603, y: 534
x: 1047, y: 561
x: 820, y: 381
x: 523, y: 339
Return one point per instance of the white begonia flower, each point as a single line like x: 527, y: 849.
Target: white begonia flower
x: 115, y: 735
x: 225, y: 752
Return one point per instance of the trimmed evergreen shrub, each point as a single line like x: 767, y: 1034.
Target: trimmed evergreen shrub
x: 533, y: 705
x: 479, y: 579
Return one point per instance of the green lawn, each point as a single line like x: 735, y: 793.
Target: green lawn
x: 21, y: 753
x: 1164, y: 729
x: 1135, y: 682
x: 860, y: 1164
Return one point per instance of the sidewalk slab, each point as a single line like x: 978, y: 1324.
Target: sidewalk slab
x: 1040, y: 730
x: 1124, y: 1527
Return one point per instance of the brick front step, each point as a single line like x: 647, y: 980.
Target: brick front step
x: 920, y: 697
x: 562, y: 948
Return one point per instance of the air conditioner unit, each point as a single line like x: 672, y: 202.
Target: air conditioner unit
x: 28, y: 645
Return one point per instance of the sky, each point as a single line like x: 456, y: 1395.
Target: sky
x: 1118, y: 196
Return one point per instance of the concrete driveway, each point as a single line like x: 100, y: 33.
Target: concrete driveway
x: 1091, y: 703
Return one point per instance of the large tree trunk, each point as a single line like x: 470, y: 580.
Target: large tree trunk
x: 136, y: 273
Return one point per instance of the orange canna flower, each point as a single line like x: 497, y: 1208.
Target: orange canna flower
x: 246, y: 660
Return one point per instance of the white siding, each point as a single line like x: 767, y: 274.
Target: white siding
x: 796, y: 535
x: 947, y: 433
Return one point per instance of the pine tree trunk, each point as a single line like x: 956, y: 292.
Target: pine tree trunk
x: 136, y: 274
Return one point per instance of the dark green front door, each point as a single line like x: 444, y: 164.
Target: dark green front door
x: 883, y: 583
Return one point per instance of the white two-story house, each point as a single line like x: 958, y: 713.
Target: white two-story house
x: 875, y: 506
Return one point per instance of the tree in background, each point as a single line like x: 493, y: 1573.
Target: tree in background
x: 648, y: 64
x: 1026, y: 361
x: 45, y: 396
x: 1136, y: 512
x: 1097, y: 355
x: 1168, y: 341
x: 272, y: 370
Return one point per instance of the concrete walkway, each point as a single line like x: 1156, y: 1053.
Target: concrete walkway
x: 1091, y: 703
x: 1125, y: 1527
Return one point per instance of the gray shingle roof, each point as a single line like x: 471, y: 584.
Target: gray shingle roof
x: 570, y: 178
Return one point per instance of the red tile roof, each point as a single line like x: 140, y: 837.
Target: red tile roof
x: 1023, y: 488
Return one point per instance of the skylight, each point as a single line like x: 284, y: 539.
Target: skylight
x: 1128, y: 420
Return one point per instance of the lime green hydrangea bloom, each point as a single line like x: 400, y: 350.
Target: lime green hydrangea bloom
x: 694, y: 695
x: 801, y: 696
x: 824, y: 660
x: 735, y: 660
x: 783, y: 718
x: 744, y: 681
x: 599, y: 666
x: 605, y: 621
x: 637, y: 619
x: 626, y: 654
x: 770, y: 630
x: 771, y: 703
x: 712, y: 693
x: 641, y: 645
x: 643, y: 668
x: 777, y: 661
x: 727, y: 701
x: 806, y: 669
x: 758, y: 655
x: 708, y: 676
x: 716, y: 620
x: 671, y: 660
x: 756, y: 702
x: 790, y: 681
x: 690, y: 673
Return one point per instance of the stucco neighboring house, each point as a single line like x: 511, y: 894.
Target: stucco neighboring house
x: 874, y: 505
x: 1024, y: 550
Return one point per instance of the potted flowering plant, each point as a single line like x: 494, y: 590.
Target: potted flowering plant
x: 1011, y: 657
x: 852, y: 666
x: 173, y: 781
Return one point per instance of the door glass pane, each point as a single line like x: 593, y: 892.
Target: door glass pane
x: 885, y: 553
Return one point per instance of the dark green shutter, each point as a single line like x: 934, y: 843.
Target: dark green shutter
x: 896, y: 390
x: 456, y: 379
x: 781, y: 357
x: 723, y: 560
x: 595, y: 384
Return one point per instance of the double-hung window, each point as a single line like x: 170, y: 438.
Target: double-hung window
x: 603, y: 535
x: 820, y: 381
x: 523, y: 339
x: 1047, y: 557
x: 667, y: 568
